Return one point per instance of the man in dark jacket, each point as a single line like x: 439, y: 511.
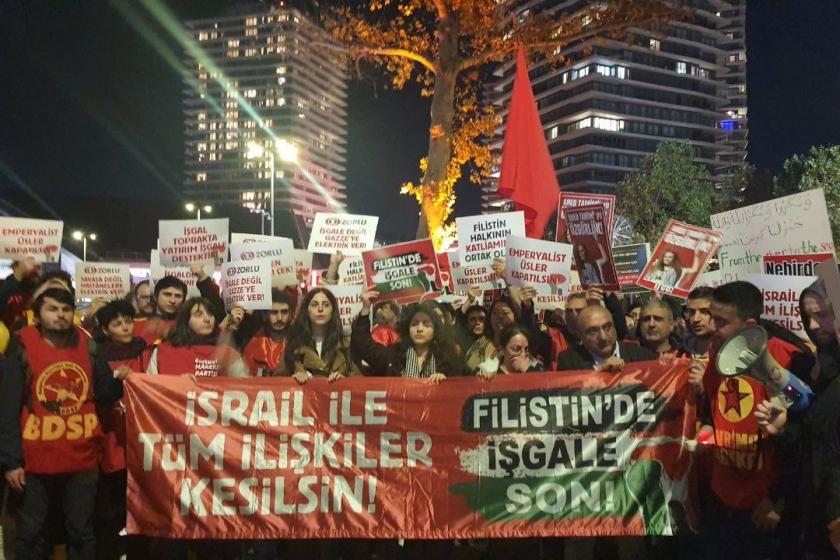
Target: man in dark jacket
x: 600, y: 348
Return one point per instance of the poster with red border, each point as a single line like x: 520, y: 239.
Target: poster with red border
x: 445, y: 268
x: 584, y: 453
x: 573, y: 200
x: 680, y: 257
x: 588, y: 232
x: 794, y: 265
x: 406, y: 272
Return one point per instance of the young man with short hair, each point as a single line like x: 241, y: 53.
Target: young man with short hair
x: 747, y: 489
x: 49, y: 430
x: 263, y: 354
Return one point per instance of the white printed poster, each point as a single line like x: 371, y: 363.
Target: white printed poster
x: 280, y: 250
x: 790, y: 225
x: 349, y: 300
x: 482, y: 238
x: 349, y: 233
x: 182, y: 273
x: 351, y: 271
x: 550, y: 302
x: 184, y: 242
x: 781, y: 298
x: 303, y: 265
x: 27, y: 237
x: 247, y: 284
x: 256, y: 238
x: 543, y: 265
x: 102, y: 280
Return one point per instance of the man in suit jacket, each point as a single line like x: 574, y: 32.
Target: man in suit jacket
x: 600, y: 348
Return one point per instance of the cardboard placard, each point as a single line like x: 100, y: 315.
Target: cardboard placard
x: 247, y: 284
x: 405, y: 272
x: 587, y: 229
x: 349, y: 303
x: 630, y: 261
x: 184, y: 242
x: 349, y: 233
x: 303, y: 265
x: 781, y: 299
x: 182, y: 273
x: 102, y: 280
x: 543, y: 265
x: 27, y: 237
x: 790, y: 225
x: 482, y: 238
x: 573, y: 200
x: 351, y: 271
x: 679, y: 258
x: 281, y: 252
x: 794, y: 265
x: 711, y: 279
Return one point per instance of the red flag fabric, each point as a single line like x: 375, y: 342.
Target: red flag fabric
x: 527, y: 176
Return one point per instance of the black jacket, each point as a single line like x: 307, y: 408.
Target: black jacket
x: 390, y: 360
x: 579, y: 357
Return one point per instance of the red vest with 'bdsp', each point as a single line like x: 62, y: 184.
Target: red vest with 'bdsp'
x: 113, y: 453
x: 201, y: 360
x: 61, y: 431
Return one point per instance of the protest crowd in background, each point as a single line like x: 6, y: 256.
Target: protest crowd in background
x: 508, y: 398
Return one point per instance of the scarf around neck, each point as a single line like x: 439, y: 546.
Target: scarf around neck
x: 412, y: 367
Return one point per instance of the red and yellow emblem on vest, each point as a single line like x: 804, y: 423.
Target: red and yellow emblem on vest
x: 735, y: 399
x: 62, y: 388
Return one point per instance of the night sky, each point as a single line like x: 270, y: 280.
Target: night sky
x: 90, y: 114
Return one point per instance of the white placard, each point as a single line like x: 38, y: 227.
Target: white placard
x: 551, y: 302
x: 781, y: 298
x: 26, y: 237
x: 280, y: 250
x: 482, y: 238
x: 481, y: 276
x: 349, y: 303
x: 303, y: 265
x: 790, y: 225
x: 351, y: 271
x: 247, y: 284
x: 184, y: 242
x: 256, y: 238
x: 182, y: 273
x: 544, y: 265
x: 102, y: 280
x: 349, y: 233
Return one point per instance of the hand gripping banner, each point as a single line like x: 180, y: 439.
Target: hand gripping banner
x: 570, y: 453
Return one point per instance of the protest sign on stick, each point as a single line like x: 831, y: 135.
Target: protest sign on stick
x: 102, y: 280
x: 303, y: 265
x: 567, y: 200
x: 182, y: 273
x: 280, y: 250
x: 482, y: 238
x: 668, y: 270
x: 588, y: 233
x: 184, y: 242
x: 580, y: 454
x: 543, y: 265
x: 351, y: 271
x: 445, y: 268
x: 27, y: 237
x: 405, y: 272
x: 349, y: 233
x: 247, y: 284
x: 790, y: 225
x: 781, y: 299
x: 257, y: 238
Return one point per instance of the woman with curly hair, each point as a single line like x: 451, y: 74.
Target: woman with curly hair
x: 316, y: 344
x: 423, y: 351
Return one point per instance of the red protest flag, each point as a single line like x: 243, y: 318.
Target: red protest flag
x: 527, y: 176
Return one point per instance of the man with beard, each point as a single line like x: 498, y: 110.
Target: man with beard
x: 264, y: 352
x: 49, y: 431
x: 701, y: 330
x: 16, y: 291
x: 141, y: 300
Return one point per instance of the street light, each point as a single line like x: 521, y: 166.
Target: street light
x: 263, y: 215
x: 79, y: 235
x: 190, y: 207
x: 285, y: 150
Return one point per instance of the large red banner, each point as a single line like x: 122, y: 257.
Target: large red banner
x: 571, y: 453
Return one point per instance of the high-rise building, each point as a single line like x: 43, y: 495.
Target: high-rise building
x: 614, y: 100
x: 267, y: 76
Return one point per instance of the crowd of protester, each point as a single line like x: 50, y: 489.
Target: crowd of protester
x: 780, y: 499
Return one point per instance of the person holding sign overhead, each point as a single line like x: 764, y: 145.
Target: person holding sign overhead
x: 423, y: 352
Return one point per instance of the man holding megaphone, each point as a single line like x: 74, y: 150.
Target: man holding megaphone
x: 748, y: 488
